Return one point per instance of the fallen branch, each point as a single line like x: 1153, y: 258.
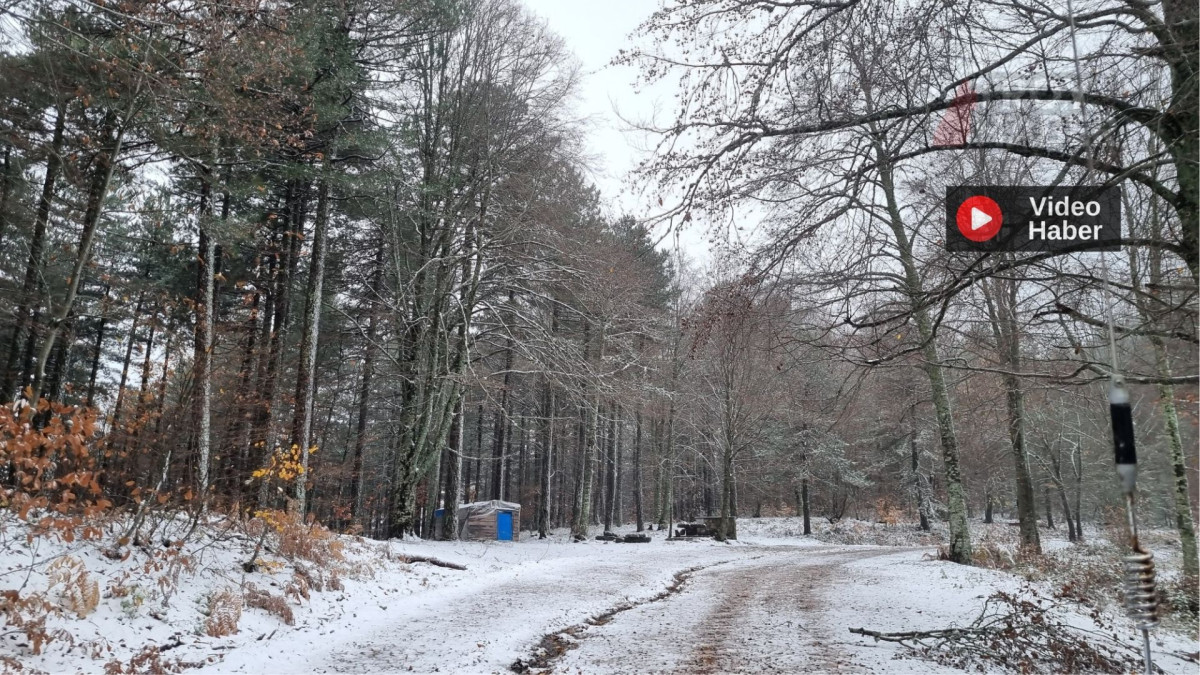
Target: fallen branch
x: 1021, y: 636
x: 431, y: 561
x: 918, y: 635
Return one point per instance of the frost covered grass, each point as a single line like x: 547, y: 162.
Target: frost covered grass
x: 848, y: 531
x: 181, y: 596
x: 1086, y: 573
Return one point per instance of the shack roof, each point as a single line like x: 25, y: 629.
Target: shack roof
x: 492, y: 505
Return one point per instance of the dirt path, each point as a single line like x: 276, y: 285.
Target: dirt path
x: 487, y: 622
x: 764, y: 615
x: 671, y: 608
x: 769, y: 617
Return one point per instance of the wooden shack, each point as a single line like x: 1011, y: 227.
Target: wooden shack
x: 493, y: 520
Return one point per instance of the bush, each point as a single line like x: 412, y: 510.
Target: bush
x: 54, y: 480
x: 303, y: 539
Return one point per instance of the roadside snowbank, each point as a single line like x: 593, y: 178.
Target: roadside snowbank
x: 161, y: 597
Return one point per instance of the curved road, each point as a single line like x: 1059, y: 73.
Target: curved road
x: 746, y: 609
x: 764, y: 615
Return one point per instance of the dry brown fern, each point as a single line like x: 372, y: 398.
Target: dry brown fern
x: 224, y: 612
x: 27, y: 615
x: 313, y: 580
x: 80, y: 593
x: 275, y: 604
x: 298, y: 587
x: 146, y: 662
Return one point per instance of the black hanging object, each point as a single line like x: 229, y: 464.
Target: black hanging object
x: 1122, y: 426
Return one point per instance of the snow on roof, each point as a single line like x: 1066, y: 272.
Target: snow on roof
x: 494, y: 504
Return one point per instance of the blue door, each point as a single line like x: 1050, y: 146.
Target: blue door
x: 504, y: 526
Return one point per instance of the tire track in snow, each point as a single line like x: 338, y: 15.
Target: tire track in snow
x: 733, y: 638
x: 486, y: 622
x: 554, y: 645
x: 766, y: 614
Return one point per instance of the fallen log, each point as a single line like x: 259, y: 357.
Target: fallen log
x: 431, y: 561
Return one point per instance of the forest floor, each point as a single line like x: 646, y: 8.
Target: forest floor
x: 771, y: 602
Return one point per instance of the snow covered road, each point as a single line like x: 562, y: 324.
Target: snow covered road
x: 483, y: 621
x: 777, y: 612
x: 746, y: 609
x: 766, y: 606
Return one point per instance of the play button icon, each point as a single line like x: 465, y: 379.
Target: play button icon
x: 979, y: 218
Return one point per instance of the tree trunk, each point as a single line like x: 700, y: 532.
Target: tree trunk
x: 590, y: 435
x: 1000, y: 296
x: 143, y: 399
x: 1182, y: 502
x: 1182, y: 134
x: 239, y: 432
x: 204, y: 345
x: 544, y: 473
x: 734, y: 511
x: 23, y: 328
x: 724, y: 528
x: 1056, y: 475
x: 5, y: 192
x: 666, y: 508
x: 306, y: 371
x: 1049, y: 507
x: 496, y: 466
x: 161, y: 403
x: 364, y: 392
x: 123, y: 382
x: 433, y: 493
x: 960, y: 535
x: 475, y: 494
x: 583, y: 490
x: 287, y: 249
x: 922, y: 497
x: 501, y: 426
x: 62, y: 357
x: 97, y: 193
x: 450, y: 497
x: 97, y: 351
x: 637, y: 473
x: 1077, y: 466
x: 1181, y: 499
x: 618, y: 521
x: 804, y: 505
x: 257, y: 402
x: 390, y: 479
x: 610, y: 466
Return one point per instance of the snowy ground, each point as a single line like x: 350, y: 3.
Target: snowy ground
x: 773, y: 602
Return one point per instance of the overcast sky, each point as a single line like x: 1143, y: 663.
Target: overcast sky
x: 594, y: 31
